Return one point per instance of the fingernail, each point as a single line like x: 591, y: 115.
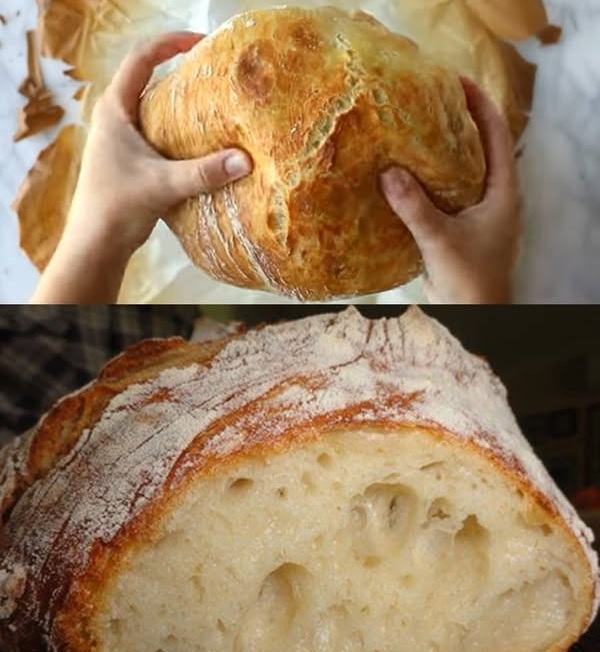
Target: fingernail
x: 396, y: 181
x: 238, y: 165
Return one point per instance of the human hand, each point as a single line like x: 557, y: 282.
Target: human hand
x: 125, y: 186
x: 469, y: 257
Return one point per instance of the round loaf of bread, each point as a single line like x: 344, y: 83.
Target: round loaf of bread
x: 324, y: 101
x: 323, y: 485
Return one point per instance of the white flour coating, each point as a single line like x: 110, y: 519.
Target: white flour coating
x: 12, y: 586
x: 224, y: 443
x: 308, y: 368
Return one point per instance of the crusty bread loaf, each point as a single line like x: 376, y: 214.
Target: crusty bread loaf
x: 324, y: 485
x: 323, y: 100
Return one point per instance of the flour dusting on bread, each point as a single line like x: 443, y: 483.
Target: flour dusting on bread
x: 272, y: 392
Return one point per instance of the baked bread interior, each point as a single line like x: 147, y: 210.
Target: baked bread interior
x: 368, y: 541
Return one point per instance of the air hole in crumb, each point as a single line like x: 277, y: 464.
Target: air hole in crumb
x: 116, y: 626
x: 197, y: 582
x: 221, y: 626
x: 439, y: 510
x: 371, y: 562
x: 473, y: 533
x: 308, y: 481
x: 282, y: 492
x: 396, y: 512
x: 546, y: 530
x: 434, y: 468
x: 386, y: 507
x: 240, y: 485
x: 407, y: 581
x: 358, y: 517
x: 324, y: 460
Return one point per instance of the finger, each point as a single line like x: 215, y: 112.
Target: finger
x: 185, y: 179
x: 431, y: 293
x: 135, y: 71
x: 410, y: 203
x: 497, y: 140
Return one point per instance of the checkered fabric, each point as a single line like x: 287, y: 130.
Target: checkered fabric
x: 47, y: 352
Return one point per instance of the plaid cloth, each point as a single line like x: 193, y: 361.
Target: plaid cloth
x: 47, y: 352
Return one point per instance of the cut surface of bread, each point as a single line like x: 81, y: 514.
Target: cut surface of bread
x: 328, y: 484
x: 362, y: 541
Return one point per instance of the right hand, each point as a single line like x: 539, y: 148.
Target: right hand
x: 469, y: 257
x: 125, y: 186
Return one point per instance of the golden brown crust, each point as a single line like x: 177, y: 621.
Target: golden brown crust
x: 60, y: 429
x: 41, y: 451
x: 321, y: 113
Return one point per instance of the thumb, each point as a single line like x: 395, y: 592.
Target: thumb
x: 410, y: 203
x: 186, y: 179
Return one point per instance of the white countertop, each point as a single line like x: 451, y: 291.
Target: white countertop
x: 560, y: 168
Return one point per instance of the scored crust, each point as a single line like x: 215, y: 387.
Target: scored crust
x: 322, y: 112
x: 94, y: 479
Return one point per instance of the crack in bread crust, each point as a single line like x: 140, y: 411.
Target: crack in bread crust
x: 321, y: 115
